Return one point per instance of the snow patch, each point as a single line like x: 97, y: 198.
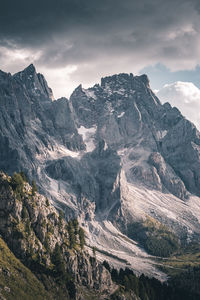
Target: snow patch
x: 57, y: 152
x: 121, y: 115
x: 88, y: 137
x: 105, y: 146
x: 161, y: 134
x: 90, y: 94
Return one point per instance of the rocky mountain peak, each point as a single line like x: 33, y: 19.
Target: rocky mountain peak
x: 116, y: 82
x: 30, y: 69
x: 123, y: 85
x: 117, y: 78
x: 27, y: 72
x: 144, y: 78
x: 34, y: 82
x: 77, y: 90
x: 97, y: 153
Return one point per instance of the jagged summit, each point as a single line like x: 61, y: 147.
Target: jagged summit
x: 120, y: 78
x: 118, y: 83
x: 34, y: 82
x: 124, y: 79
x: 30, y: 70
x: 112, y: 154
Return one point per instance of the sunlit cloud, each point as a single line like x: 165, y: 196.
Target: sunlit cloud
x: 59, y: 79
x: 185, y: 96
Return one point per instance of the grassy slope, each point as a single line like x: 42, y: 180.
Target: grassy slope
x: 174, y: 265
x: 16, y: 281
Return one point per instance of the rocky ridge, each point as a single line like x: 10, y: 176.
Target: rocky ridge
x: 112, y: 156
x: 34, y: 231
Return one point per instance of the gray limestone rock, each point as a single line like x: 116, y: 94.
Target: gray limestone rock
x: 77, y: 149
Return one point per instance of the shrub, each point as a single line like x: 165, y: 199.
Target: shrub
x: 81, y: 237
x: 17, y: 183
x: 34, y: 188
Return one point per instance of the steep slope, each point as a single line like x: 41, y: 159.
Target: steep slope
x: 51, y: 248
x: 112, y: 155
x: 29, y: 121
x: 16, y: 281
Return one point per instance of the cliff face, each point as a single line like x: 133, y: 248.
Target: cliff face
x: 112, y: 156
x: 31, y: 122
x: 40, y: 238
x: 17, y: 281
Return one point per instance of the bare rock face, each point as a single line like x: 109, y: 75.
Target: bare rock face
x: 34, y: 83
x: 33, y: 229
x: 169, y: 178
x: 78, y: 149
x: 31, y: 123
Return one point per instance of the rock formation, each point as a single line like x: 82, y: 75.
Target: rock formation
x: 111, y: 155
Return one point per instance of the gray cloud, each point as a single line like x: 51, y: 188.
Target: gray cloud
x: 99, y: 37
x: 185, y: 96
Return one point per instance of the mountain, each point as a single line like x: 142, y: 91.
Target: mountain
x: 44, y: 257
x: 112, y: 156
x: 57, y: 266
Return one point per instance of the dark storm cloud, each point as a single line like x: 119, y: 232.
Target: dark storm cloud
x: 34, y: 23
x: 100, y: 37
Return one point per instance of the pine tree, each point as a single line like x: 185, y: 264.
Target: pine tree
x: 72, y: 240
x: 94, y: 251
x: 17, y: 183
x: 106, y: 265
x: 24, y: 177
x: 81, y: 237
x: 47, y: 202
x: 24, y: 213
x: 115, y: 275
x: 34, y: 188
x: 76, y: 226
x: 142, y: 292
x: 127, y: 283
x: 58, y: 262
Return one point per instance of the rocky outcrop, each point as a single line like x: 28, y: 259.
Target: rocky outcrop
x: 168, y: 177
x: 33, y: 229
x: 78, y: 149
x: 31, y: 123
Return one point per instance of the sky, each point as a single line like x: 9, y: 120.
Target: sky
x: 80, y: 41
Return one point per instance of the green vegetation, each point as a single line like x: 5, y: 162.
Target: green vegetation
x: 47, y: 202
x: 49, y: 264
x: 32, y: 241
x: 183, y: 284
x: 186, y: 261
x: 76, y: 234
x: 61, y: 275
x: 76, y: 226
x: 17, y: 184
x: 81, y: 234
x: 21, y: 283
x: 23, y: 175
x: 34, y: 188
x: 72, y: 238
x: 156, y: 238
x: 152, y: 289
x: 24, y: 213
x: 57, y: 260
x: 94, y: 251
